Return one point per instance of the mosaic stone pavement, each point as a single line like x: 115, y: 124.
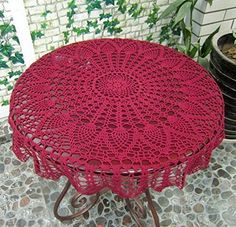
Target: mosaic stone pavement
x: 208, y: 199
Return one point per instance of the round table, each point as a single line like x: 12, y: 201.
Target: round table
x: 121, y: 114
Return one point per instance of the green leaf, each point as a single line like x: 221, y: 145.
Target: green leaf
x: 109, y: 2
x: 134, y: 11
x: 195, y: 47
x: 93, y: 24
x: 186, y: 36
x: 44, y: 25
x: 6, y: 49
x: 111, y: 26
x: 4, y: 82
x: 5, y: 102
x: 70, y: 23
x: 70, y: 14
x: 66, y: 35
x: 80, y: 31
x: 172, y: 8
x: 133, y: 8
x: 72, y: 4
x: 1, y: 14
x: 104, y: 16
x: 122, y: 6
x: 13, y: 28
x: 15, y: 38
x: 149, y: 37
x: 153, y: 16
x: 10, y: 74
x: 36, y: 35
x: 6, y: 28
x: 18, y: 58
x: 181, y: 48
x: 207, y: 45
x: 3, y: 65
x: 14, y: 73
x: 203, y: 62
x: 97, y: 31
x: 92, y: 5
x: 182, y: 12
x: 45, y: 13
x: 9, y: 87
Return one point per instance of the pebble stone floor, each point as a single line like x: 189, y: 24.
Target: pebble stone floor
x: 208, y: 199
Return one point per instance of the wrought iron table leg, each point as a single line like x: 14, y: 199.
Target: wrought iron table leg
x: 152, y: 208
x: 133, y: 213
x: 73, y: 203
x: 136, y: 216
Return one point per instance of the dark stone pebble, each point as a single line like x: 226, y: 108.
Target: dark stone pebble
x: 198, y: 190
x: 223, y: 173
x: 106, y: 202
x: 2, y: 168
x: 166, y: 222
x: 100, y: 208
x: 215, y: 182
x: 21, y: 223
x: 216, y: 166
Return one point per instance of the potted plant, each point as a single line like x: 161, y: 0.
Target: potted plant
x: 182, y: 23
x: 223, y: 69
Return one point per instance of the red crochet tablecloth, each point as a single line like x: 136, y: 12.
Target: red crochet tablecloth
x: 116, y: 113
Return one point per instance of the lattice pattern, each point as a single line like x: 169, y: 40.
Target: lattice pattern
x: 116, y: 113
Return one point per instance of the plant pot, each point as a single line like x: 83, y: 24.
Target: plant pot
x: 223, y: 70
x: 231, y: 112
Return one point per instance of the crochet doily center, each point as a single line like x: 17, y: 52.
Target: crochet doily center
x: 117, y: 84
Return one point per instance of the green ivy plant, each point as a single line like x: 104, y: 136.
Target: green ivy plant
x: 9, y: 56
x: 181, y: 24
x: 152, y: 20
x: 106, y: 22
x: 39, y: 33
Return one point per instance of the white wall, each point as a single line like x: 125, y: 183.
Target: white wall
x: 207, y: 18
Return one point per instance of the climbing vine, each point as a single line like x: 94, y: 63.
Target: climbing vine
x: 39, y: 33
x: 10, y: 57
x: 107, y: 22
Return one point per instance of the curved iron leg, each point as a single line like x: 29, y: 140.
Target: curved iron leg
x: 152, y: 208
x: 136, y: 216
x: 73, y: 203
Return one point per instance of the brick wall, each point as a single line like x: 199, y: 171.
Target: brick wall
x: 207, y: 18
x: 57, y: 20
